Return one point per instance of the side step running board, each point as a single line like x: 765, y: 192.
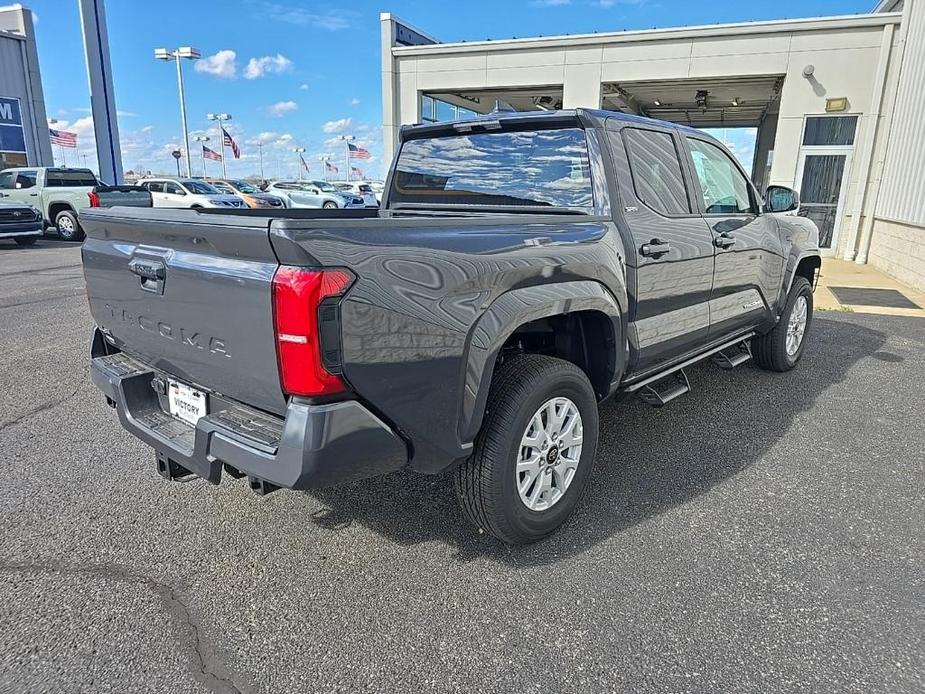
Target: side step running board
x: 660, y: 393
x: 733, y: 356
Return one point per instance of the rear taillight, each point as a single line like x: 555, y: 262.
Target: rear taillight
x: 94, y: 198
x: 298, y: 294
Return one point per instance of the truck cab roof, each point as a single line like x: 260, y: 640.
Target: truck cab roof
x: 582, y: 117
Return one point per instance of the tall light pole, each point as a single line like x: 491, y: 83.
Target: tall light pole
x: 260, y: 152
x: 190, y: 54
x: 299, y: 151
x: 201, y: 139
x: 347, y: 140
x: 220, y: 118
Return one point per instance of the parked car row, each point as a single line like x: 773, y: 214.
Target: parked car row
x: 59, y: 194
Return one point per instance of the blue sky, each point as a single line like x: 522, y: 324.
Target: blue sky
x: 298, y: 73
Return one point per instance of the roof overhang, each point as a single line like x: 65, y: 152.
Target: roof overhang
x: 738, y: 29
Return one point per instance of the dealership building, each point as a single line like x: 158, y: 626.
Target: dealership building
x: 836, y: 103
x: 23, y: 122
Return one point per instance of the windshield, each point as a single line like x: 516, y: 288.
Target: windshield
x: 548, y: 168
x: 245, y: 187
x: 201, y: 188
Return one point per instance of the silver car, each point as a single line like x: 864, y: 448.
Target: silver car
x: 314, y: 194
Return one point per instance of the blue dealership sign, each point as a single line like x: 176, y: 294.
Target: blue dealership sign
x: 12, y: 136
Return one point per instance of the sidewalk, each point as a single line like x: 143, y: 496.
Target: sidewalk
x: 846, y: 286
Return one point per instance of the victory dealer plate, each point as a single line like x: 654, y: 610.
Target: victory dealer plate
x: 186, y: 403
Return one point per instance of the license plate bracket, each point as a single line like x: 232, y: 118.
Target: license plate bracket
x: 185, y: 402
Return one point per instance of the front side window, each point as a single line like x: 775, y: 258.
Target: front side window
x: 6, y: 180
x: 535, y: 168
x: 656, y: 171
x: 173, y: 188
x: 725, y: 189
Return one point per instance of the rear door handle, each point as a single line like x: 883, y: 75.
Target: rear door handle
x: 151, y: 273
x: 655, y: 248
x: 724, y: 241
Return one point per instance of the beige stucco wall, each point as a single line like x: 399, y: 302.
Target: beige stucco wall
x: 899, y: 250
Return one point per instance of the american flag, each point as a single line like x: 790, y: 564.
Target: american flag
x: 304, y: 163
x: 229, y: 142
x: 211, y: 154
x: 357, y: 173
x: 63, y: 138
x: 357, y: 152
x: 330, y: 167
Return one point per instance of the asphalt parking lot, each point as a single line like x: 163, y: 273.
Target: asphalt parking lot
x: 764, y: 534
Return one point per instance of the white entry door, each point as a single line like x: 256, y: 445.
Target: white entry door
x: 822, y: 177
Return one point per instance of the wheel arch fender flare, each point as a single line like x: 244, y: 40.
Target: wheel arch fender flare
x: 516, y: 308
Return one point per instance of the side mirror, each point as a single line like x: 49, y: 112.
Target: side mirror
x: 18, y: 185
x: 781, y: 199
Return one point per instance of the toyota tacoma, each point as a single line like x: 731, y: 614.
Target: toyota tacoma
x: 523, y: 268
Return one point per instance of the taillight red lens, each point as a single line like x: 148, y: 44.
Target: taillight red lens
x: 297, y: 294
x: 94, y: 198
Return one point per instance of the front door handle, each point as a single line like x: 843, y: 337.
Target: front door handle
x: 33, y: 195
x: 724, y: 241
x: 655, y: 248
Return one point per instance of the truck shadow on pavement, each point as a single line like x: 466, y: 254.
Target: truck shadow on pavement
x: 648, y: 462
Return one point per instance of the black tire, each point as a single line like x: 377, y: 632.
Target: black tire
x: 330, y: 205
x: 68, y: 227
x: 770, y: 349
x: 486, y: 483
x: 26, y: 240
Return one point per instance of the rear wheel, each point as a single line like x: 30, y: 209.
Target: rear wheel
x: 330, y: 205
x: 534, y: 452
x: 68, y: 227
x: 26, y: 240
x: 782, y: 347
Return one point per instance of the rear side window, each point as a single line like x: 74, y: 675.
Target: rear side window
x: 155, y: 186
x: 62, y: 178
x: 26, y: 179
x: 656, y: 171
x: 545, y: 168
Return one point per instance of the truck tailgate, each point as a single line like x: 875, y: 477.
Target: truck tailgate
x: 189, y: 295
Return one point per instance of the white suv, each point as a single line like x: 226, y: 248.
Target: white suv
x: 364, y: 190
x: 188, y: 192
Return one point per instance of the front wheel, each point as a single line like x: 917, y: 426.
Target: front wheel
x: 330, y: 205
x: 534, y: 453
x: 68, y: 227
x: 781, y: 348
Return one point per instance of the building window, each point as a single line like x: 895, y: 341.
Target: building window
x: 435, y: 110
x: 656, y: 171
x: 822, y: 131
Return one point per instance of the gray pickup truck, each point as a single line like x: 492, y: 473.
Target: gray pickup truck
x: 523, y: 268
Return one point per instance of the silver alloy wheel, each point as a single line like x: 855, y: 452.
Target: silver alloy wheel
x: 549, y: 453
x: 796, y: 327
x: 65, y: 224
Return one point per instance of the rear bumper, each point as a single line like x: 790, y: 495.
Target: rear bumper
x: 313, y: 446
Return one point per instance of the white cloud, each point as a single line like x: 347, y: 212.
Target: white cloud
x: 332, y: 20
x: 281, y: 108
x: 354, y: 102
x: 337, y: 126
x: 550, y: 3
x: 223, y: 64
x: 258, y: 67
x: 147, y: 128
x: 303, y: 86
